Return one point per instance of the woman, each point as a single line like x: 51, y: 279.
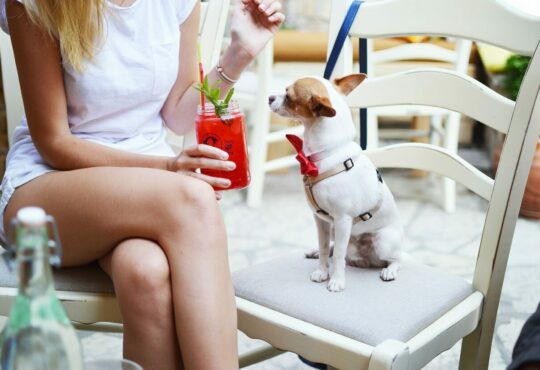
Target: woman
x: 99, y: 80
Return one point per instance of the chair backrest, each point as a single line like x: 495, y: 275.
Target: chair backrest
x: 10, y: 81
x: 458, y: 57
x: 489, y: 21
x: 211, y: 31
x: 214, y: 14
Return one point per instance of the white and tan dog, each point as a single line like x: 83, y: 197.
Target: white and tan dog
x: 349, y: 198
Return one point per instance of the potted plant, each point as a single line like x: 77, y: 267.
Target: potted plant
x: 516, y: 66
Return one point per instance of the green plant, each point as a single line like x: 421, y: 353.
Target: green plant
x: 213, y: 93
x: 515, y: 69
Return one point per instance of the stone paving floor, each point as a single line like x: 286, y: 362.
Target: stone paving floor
x: 448, y: 241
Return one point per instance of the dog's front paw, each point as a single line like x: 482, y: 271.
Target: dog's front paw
x: 336, y: 284
x: 319, y: 276
x: 389, y: 273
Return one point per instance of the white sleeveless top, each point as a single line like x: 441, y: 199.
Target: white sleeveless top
x: 117, y: 99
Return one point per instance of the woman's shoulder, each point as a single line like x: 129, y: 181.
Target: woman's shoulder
x: 183, y: 9
x: 3, y: 16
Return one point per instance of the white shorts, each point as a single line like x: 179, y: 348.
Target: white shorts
x: 24, y: 163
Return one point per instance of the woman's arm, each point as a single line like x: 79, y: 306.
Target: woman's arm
x: 40, y: 75
x: 253, y: 24
x: 41, y: 78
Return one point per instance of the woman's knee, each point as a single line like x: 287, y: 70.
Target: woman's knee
x: 187, y: 200
x: 141, y: 273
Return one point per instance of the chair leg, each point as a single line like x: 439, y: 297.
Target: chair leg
x: 390, y: 355
x: 373, y: 130
x: 258, y: 355
x: 450, y: 142
x: 436, y: 130
x: 261, y: 128
x: 475, y: 351
x: 476, y: 347
x: 257, y: 160
x: 421, y: 125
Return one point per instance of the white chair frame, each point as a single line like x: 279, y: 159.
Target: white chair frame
x: 447, y: 131
x: 260, y: 116
x: 474, y: 318
x: 90, y: 310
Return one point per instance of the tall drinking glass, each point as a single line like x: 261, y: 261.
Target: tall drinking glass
x: 226, y: 132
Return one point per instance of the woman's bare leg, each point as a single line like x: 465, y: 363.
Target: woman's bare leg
x: 97, y: 208
x: 141, y: 276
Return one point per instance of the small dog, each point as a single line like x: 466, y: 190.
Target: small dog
x: 352, y: 205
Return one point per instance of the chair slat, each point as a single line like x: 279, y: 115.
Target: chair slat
x: 211, y: 30
x: 10, y: 82
x: 417, y: 51
x: 434, y: 159
x: 439, y: 88
x: 494, y: 22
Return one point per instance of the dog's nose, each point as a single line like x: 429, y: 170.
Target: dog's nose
x: 271, y: 99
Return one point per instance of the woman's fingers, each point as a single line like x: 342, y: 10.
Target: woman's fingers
x: 213, y: 181
x: 270, y: 7
x: 207, y: 163
x: 277, y: 18
x: 272, y: 11
x: 203, y: 150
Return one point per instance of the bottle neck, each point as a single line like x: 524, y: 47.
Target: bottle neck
x: 34, y: 269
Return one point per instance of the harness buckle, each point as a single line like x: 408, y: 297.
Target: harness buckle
x: 349, y: 163
x: 379, y: 177
x: 366, y: 216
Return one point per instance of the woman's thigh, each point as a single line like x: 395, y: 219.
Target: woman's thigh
x: 97, y: 208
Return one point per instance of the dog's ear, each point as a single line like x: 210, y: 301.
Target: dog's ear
x: 321, y: 106
x: 348, y: 83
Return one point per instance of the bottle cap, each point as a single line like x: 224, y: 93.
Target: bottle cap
x: 32, y: 216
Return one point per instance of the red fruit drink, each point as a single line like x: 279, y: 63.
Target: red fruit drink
x: 226, y: 133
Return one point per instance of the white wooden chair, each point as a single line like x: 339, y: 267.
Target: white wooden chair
x: 262, y: 134
x: 444, y: 125
x: 87, y: 292
x: 214, y: 14
x: 252, y: 92
x: 457, y: 59
x: 406, y: 323
x: 253, y: 89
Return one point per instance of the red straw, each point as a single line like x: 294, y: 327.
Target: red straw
x: 201, y: 74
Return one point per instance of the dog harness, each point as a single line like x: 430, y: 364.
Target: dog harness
x: 312, y: 177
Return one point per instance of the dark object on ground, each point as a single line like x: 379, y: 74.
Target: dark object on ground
x: 526, y: 355
x: 313, y: 364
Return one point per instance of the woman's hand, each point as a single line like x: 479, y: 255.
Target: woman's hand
x: 203, y: 156
x: 253, y: 24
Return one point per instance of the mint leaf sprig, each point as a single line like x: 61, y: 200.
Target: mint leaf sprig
x: 212, y: 94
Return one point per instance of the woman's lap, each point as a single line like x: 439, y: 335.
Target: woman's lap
x: 97, y: 208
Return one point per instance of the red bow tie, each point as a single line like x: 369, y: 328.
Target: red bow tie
x: 306, y: 166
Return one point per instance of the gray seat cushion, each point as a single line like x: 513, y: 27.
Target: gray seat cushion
x: 369, y: 310
x: 88, y: 279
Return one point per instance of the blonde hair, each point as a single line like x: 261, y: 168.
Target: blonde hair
x: 76, y: 24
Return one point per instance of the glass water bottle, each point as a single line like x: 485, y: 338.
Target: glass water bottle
x: 38, y: 334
